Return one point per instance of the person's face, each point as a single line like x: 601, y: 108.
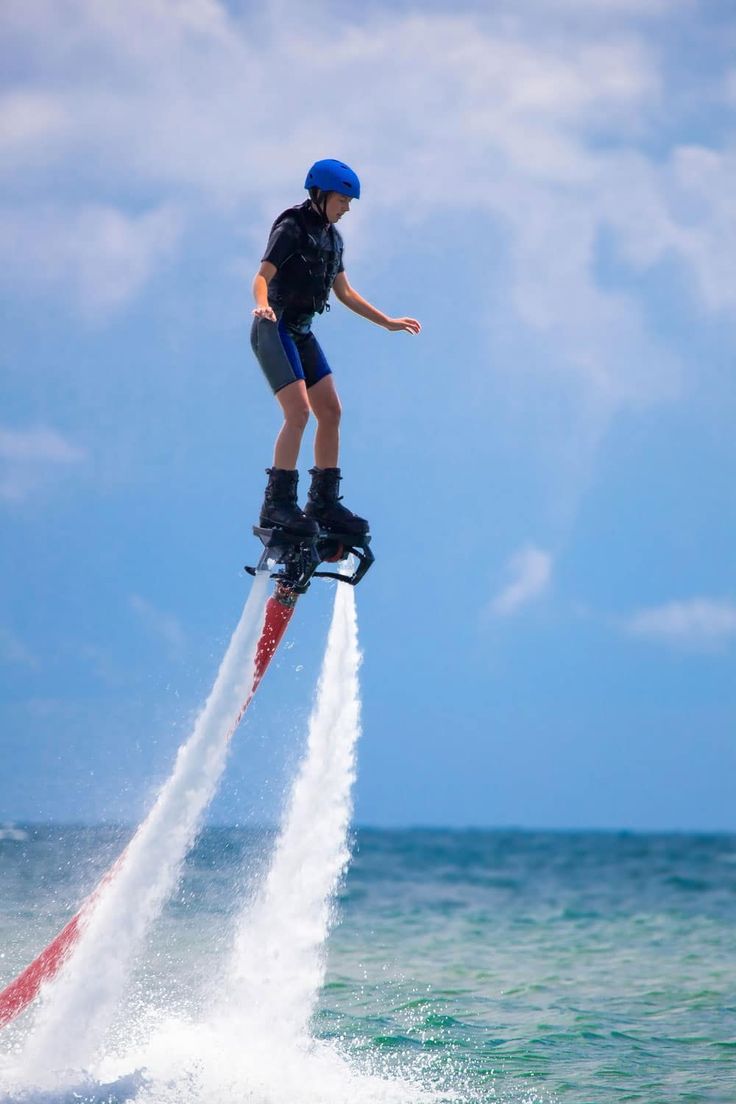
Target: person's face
x: 337, y: 206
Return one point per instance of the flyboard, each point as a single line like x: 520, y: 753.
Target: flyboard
x: 296, y: 561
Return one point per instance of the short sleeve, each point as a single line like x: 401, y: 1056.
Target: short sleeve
x: 283, y: 243
x: 340, y: 248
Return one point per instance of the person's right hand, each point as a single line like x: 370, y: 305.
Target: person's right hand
x: 265, y: 312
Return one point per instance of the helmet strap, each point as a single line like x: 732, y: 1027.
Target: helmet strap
x: 319, y: 203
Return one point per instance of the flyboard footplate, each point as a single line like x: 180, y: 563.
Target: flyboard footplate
x: 299, y: 557
x: 296, y: 555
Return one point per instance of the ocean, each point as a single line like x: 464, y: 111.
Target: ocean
x: 503, y: 966
x: 312, y: 964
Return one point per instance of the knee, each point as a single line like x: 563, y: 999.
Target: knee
x: 331, y: 413
x: 298, y: 417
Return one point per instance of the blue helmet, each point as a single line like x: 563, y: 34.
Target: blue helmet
x: 333, y: 176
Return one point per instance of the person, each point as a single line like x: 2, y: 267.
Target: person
x: 302, y: 263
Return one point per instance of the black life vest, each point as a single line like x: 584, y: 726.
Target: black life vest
x: 303, y: 283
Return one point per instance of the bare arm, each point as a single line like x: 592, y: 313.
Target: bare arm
x: 261, y: 280
x: 350, y: 297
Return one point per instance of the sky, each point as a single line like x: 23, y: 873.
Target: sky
x: 549, y: 632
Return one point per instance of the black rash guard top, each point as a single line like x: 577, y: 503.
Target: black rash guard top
x: 307, y: 254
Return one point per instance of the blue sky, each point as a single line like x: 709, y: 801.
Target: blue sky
x: 550, y: 628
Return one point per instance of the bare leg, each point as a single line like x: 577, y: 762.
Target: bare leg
x: 325, y: 404
x: 323, y: 503
x: 295, y: 405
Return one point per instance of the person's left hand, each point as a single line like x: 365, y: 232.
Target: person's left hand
x: 410, y: 325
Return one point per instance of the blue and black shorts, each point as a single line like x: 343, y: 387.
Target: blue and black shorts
x: 286, y: 355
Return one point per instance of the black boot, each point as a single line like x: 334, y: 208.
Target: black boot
x: 280, y: 506
x: 323, y: 504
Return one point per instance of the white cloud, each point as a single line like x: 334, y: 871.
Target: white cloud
x: 696, y: 623
x: 13, y: 650
x: 610, y: 7
x: 29, y: 458
x: 502, y: 117
x: 97, y: 255
x: 530, y: 571
x: 163, y: 625
x: 684, y: 209
x: 729, y: 86
x: 36, y: 445
x: 29, y: 122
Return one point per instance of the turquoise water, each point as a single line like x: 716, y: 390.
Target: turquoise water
x: 478, y: 966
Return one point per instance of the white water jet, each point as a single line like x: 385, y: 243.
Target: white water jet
x: 256, y: 1045
x: 77, y: 1007
x: 278, y: 962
